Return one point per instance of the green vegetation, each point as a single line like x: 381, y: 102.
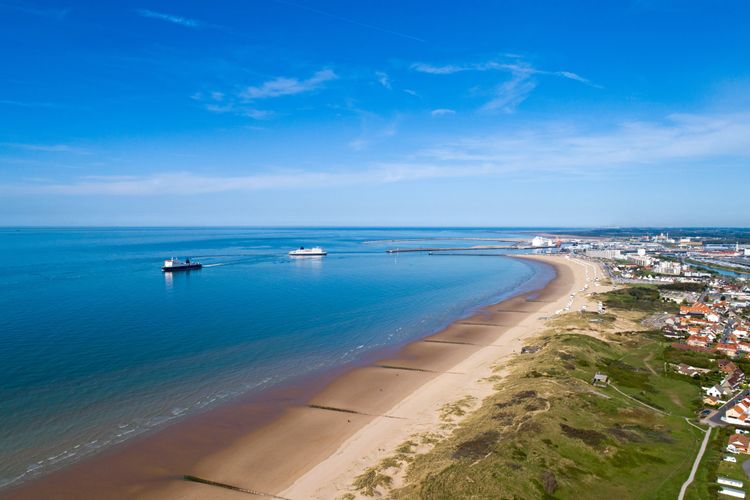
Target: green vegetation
x: 369, y: 481
x: 743, y: 364
x: 701, y: 359
x: 457, y: 408
x: 692, y: 358
x: 638, y: 298
x: 683, y: 287
x: 669, y: 258
x: 728, y: 469
x: 548, y: 433
x: 407, y: 447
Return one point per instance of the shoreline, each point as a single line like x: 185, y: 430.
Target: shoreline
x: 469, y: 378
x: 285, y: 437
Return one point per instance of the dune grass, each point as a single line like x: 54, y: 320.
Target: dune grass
x: 548, y: 433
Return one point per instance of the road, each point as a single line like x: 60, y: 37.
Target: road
x: 746, y: 468
x: 697, y: 462
x: 715, y: 419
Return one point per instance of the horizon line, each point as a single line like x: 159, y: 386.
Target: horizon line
x: 294, y: 226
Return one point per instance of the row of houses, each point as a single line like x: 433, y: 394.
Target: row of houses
x: 713, y: 325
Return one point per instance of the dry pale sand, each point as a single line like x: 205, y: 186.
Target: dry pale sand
x: 500, y: 330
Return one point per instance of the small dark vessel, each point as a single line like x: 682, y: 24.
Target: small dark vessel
x: 172, y: 265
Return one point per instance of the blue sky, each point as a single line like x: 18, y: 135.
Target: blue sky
x: 307, y: 112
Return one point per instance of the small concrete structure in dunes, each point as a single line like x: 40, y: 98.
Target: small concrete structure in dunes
x: 600, y: 379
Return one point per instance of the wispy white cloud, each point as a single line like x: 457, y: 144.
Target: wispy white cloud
x: 46, y: 148
x: 57, y: 13
x: 242, y: 103
x: 359, y: 144
x: 438, y: 70
x: 187, y: 183
x: 509, y: 94
x: 517, y: 66
x: 558, y: 147
x: 219, y: 102
x: 679, y: 140
x: 383, y: 79
x: 182, y: 21
x: 32, y: 104
x: 442, y: 112
x: 283, y: 86
x: 254, y: 113
x: 374, y: 130
x: 258, y: 114
x: 450, y: 69
x: 578, y: 78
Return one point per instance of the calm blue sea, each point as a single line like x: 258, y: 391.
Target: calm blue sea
x: 98, y: 345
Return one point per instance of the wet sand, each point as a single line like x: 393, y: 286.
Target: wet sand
x: 497, y: 332
x: 308, y: 442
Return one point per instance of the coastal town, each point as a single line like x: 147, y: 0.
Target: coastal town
x: 704, y: 287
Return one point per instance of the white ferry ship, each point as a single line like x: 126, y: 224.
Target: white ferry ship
x: 173, y: 264
x: 308, y: 252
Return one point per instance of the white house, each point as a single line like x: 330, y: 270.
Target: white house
x: 738, y: 414
x: 712, y: 317
x: 716, y: 391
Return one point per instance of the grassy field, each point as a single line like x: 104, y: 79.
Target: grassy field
x: 548, y: 433
x: 638, y: 298
x: 683, y: 287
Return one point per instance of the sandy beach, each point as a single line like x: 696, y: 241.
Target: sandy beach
x: 315, y: 448
x: 500, y: 331
x: 316, y: 451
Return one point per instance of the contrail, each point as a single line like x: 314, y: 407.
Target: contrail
x: 350, y: 21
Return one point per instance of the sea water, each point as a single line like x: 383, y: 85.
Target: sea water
x: 97, y: 345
